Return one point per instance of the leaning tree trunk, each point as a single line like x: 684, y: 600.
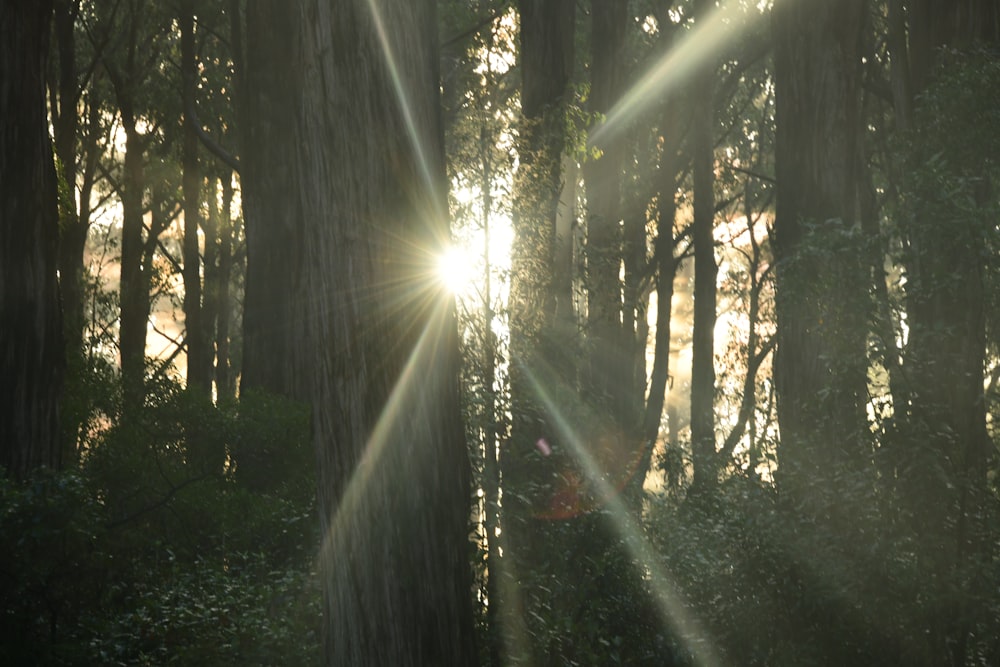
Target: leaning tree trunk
x: 354, y: 87
x: 31, y: 342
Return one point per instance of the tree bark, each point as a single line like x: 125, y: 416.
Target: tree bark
x: 354, y: 87
x: 31, y: 339
x: 820, y: 364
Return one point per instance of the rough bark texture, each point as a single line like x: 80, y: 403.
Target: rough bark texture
x: 345, y: 114
x: 31, y: 342
x: 820, y: 367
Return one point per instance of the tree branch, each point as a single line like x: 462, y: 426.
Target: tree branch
x: 191, y: 118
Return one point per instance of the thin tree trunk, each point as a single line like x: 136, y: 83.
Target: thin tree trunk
x: 223, y: 374
x: 609, y: 372
x: 703, y: 454
x: 212, y: 288
x: 199, y: 360
x: 133, y: 286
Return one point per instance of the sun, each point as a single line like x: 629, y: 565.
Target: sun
x: 456, y: 270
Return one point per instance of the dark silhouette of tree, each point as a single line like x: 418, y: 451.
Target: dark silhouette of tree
x: 610, y: 366
x: 948, y: 204
x: 133, y: 37
x: 31, y: 340
x: 197, y: 335
x: 702, y: 147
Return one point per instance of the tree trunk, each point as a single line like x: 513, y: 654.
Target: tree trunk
x: 223, y: 370
x: 609, y: 371
x: 944, y: 218
x: 199, y: 359
x: 665, y: 266
x: 134, y: 285
x: 31, y: 341
x: 212, y: 289
x: 65, y: 123
x: 354, y: 86
x: 77, y: 154
x: 820, y: 367
x: 703, y: 454
x: 273, y: 297
x: 541, y: 320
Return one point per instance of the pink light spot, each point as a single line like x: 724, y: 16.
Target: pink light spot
x: 543, y: 447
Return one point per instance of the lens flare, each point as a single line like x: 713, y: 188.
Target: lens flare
x: 455, y: 270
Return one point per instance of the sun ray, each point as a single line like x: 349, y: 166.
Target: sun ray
x: 404, y: 103
x: 674, y: 69
x: 409, y: 388
x: 674, y: 610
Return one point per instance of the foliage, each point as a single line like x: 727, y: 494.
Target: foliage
x: 185, y: 533
x: 142, y: 557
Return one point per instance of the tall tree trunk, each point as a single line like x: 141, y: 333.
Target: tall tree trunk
x: 354, y: 84
x: 538, y: 316
x: 77, y: 154
x: 944, y: 477
x: 820, y: 367
x: 665, y: 265
x: 199, y: 359
x: 65, y: 123
x: 703, y: 454
x: 134, y: 285
x: 609, y: 371
x: 547, y: 29
x: 223, y: 371
x: 273, y: 297
x: 541, y: 321
x: 126, y: 77
x: 31, y: 340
